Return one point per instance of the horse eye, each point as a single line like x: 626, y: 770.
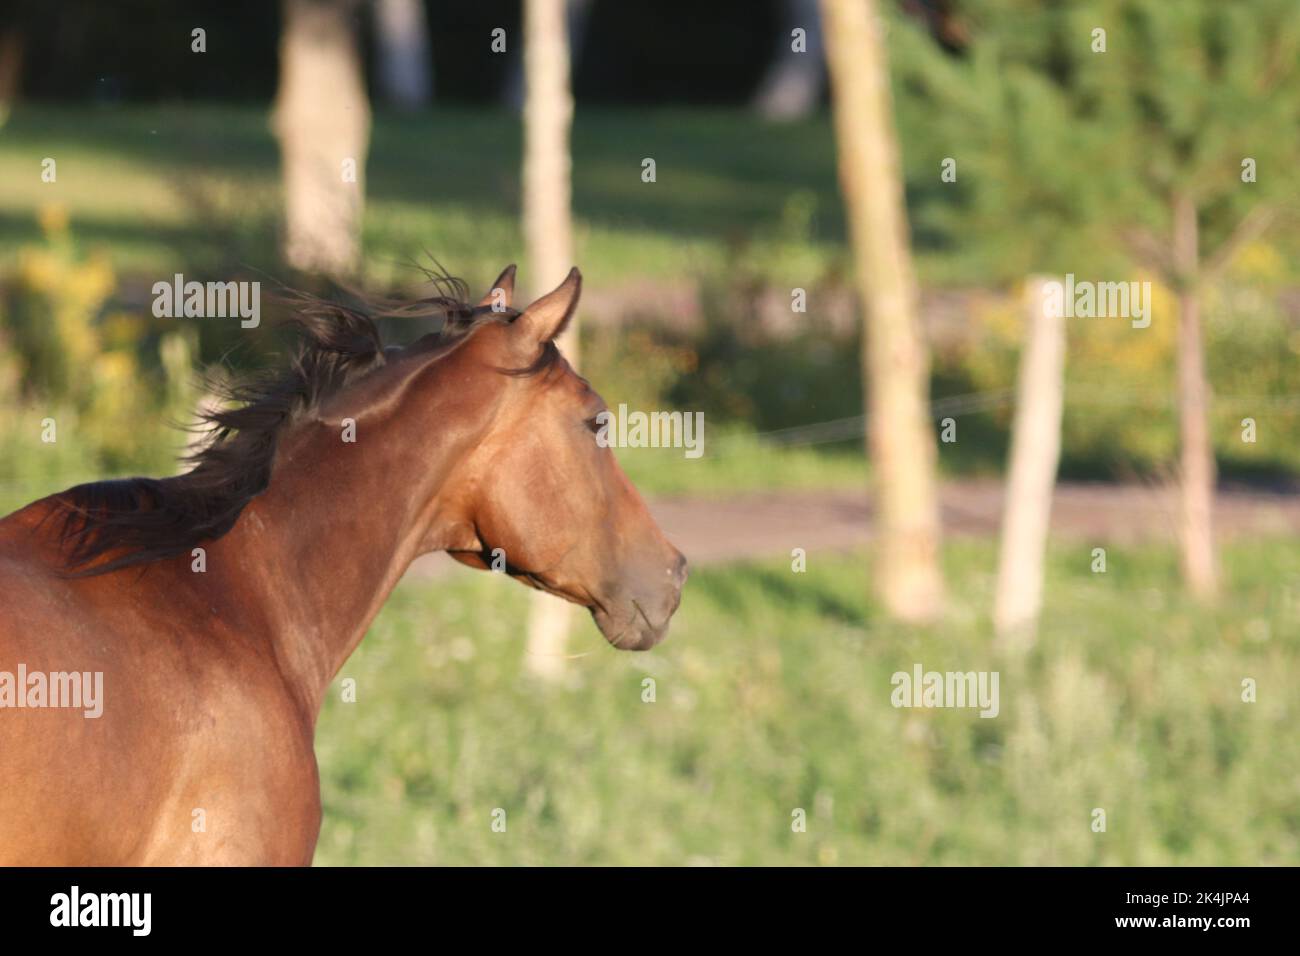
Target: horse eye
x: 593, y: 424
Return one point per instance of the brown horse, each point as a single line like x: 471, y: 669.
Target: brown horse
x: 212, y: 610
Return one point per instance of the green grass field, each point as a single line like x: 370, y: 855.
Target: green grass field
x: 773, y: 694
x: 199, y: 185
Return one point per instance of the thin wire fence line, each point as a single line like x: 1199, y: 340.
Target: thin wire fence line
x: 840, y: 429
x: 854, y: 427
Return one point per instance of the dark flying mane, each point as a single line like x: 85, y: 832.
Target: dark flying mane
x: 132, y: 521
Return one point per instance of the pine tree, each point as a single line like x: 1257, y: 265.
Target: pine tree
x: 1106, y: 132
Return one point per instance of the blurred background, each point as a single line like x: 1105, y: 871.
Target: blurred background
x: 751, y: 189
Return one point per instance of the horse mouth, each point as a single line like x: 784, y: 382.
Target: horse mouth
x: 635, y: 632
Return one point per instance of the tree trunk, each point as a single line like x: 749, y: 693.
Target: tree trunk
x: 12, y: 45
x: 322, y: 120
x: 895, y: 360
x: 1197, y: 470
x: 402, y: 49
x: 792, y: 86
x: 577, y: 17
x: 1031, y: 478
x: 548, y: 238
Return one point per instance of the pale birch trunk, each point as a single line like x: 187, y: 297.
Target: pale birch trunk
x: 1197, y: 468
x: 792, y: 86
x: 548, y: 238
x: 578, y: 15
x: 402, y: 48
x: 322, y: 120
x: 895, y: 358
x: 1031, y: 478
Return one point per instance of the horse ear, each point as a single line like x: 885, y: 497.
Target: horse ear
x: 502, y: 292
x: 547, y: 317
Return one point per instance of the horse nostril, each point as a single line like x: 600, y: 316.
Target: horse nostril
x: 680, y: 571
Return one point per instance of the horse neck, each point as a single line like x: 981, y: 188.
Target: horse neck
x: 338, y: 526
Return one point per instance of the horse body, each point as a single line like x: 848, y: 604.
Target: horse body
x: 196, y: 718
x: 214, y: 668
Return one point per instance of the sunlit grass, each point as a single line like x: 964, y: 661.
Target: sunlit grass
x: 199, y: 184
x: 736, y: 461
x: 773, y: 693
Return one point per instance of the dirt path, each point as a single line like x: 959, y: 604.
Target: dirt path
x: 712, y: 531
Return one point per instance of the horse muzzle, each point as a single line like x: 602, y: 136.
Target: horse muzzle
x: 638, y: 623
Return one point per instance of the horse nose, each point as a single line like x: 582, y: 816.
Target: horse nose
x: 679, y: 570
